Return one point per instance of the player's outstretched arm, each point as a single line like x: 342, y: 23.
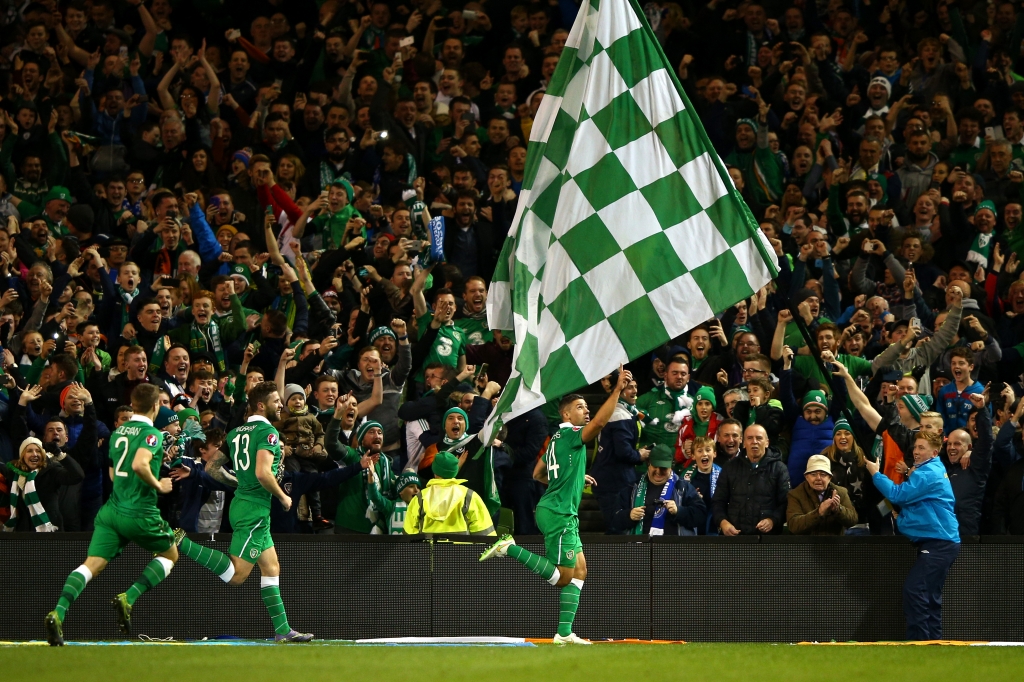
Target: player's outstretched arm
x: 140, y: 465
x: 593, y: 428
x: 265, y: 475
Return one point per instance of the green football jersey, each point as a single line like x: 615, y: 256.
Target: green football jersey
x: 566, y: 461
x: 243, y: 444
x: 476, y: 331
x: 131, y: 495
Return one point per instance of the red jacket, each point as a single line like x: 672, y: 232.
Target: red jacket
x: 686, y: 433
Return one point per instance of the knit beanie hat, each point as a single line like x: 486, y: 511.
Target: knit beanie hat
x: 707, y: 393
x: 816, y: 398
x: 916, y: 404
x: 363, y: 428
x: 987, y: 204
x: 455, y: 410
x: 884, y: 82
x: 347, y: 186
x: 164, y: 417
x: 242, y: 155
x: 188, y: 413
x: 841, y: 425
x: 748, y: 122
x: 382, y: 331
x: 292, y: 389
x: 408, y: 478
x: 28, y: 441
x: 243, y: 271
x: 445, y: 465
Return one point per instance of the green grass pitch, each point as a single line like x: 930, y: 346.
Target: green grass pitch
x: 618, y: 663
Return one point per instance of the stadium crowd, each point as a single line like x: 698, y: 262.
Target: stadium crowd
x: 204, y: 196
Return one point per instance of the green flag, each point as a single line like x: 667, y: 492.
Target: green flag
x: 628, y: 231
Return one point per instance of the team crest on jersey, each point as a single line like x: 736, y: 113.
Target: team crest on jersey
x: 272, y: 438
x: 151, y: 440
x: 253, y: 553
x: 569, y: 554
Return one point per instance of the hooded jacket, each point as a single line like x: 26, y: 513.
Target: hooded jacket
x: 447, y: 506
x: 746, y: 493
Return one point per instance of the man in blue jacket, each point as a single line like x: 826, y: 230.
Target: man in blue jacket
x: 928, y: 518
x: 614, y: 467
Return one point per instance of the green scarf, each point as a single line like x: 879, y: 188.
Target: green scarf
x: 286, y: 305
x: 700, y: 428
x: 199, y: 341
x: 667, y: 492
x: 126, y: 297
x: 24, y: 486
x: 629, y: 408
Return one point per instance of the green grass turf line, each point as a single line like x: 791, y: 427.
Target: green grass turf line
x: 615, y: 663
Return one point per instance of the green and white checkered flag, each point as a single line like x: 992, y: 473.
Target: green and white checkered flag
x: 628, y: 231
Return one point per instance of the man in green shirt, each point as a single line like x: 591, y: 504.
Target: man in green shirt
x: 473, y: 318
x: 255, y: 452
x: 664, y: 407
x: 449, y: 345
x: 130, y: 515
x: 563, y: 564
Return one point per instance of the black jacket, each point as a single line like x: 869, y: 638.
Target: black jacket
x: 969, y: 484
x: 691, y: 512
x: 54, y: 478
x: 745, y: 495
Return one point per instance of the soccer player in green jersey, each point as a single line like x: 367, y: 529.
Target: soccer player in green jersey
x: 255, y: 452
x: 130, y: 515
x: 563, y: 564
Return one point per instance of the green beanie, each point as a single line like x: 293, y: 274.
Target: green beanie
x: 455, y: 410
x: 916, y: 404
x: 816, y: 398
x: 445, y: 465
x: 989, y: 205
x: 363, y: 428
x: 243, y: 271
x: 661, y: 456
x: 406, y: 479
x: 188, y: 413
x: 707, y: 393
x: 841, y: 425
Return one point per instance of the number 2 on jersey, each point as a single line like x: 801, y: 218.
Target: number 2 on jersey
x: 121, y: 442
x: 550, y: 461
x: 239, y: 450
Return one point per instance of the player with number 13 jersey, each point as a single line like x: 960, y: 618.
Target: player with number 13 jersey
x: 255, y: 452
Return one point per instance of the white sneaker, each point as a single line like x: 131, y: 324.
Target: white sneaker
x: 571, y: 638
x: 499, y: 548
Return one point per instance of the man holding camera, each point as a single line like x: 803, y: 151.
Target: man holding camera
x: 927, y: 516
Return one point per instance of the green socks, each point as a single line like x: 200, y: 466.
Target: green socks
x: 537, y: 564
x: 568, y: 602
x: 271, y: 593
x: 218, y: 562
x: 73, y: 587
x: 155, y: 571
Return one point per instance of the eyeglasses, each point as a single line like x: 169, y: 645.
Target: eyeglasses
x: 749, y: 370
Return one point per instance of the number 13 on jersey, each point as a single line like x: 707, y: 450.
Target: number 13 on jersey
x: 240, y: 452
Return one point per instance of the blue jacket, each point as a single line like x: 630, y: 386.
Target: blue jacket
x: 194, y: 491
x: 954, y: 406
x: 808, y: 439
x: 298, y: 483
x: 926, y: 500
x: 615, y: 465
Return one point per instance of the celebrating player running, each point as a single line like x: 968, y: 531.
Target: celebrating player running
x: 255, y: 451
x: 557, y: 512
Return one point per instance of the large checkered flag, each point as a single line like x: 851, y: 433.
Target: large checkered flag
x: 629, y: 230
